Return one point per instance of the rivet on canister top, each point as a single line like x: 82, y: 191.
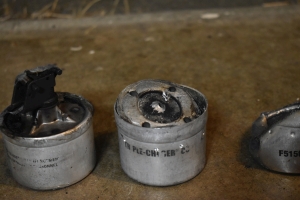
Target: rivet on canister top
x: 161, y: 129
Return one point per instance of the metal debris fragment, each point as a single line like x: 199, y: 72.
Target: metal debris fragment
x: 76, y: 48
x: 210, y: 16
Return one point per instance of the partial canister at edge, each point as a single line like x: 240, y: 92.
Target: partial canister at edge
x: 162, y: 132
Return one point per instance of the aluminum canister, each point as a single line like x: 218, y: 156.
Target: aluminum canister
x: 57, y: 160
x: 162, y: 132
x: 275, y: 139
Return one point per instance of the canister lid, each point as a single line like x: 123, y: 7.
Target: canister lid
x: 158, y: 103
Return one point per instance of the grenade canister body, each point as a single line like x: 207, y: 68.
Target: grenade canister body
x: 58, y: 160
x: 275, y: 139
x: 161, y: 130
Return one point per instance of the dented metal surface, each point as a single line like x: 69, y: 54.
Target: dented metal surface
x: 161, y: 129
x: 55, y: 146
x: 275, y: 141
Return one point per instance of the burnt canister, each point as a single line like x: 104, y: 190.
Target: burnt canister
x: 161, y: 131
x: 48, y: 136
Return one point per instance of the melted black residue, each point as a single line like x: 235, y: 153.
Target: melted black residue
x: 172, y: 108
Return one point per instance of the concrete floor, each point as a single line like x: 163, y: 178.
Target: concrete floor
x: 246, y: 61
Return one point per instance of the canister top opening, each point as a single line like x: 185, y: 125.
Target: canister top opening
x: 67, y: 114
x: 157, y: 103
x: 159, y: 107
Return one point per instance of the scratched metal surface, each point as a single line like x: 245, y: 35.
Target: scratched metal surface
x: 244, y: 64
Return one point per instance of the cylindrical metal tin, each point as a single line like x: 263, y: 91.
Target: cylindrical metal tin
x: 275, y: 139
x: 55, y: 161
x: 161, y: 129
